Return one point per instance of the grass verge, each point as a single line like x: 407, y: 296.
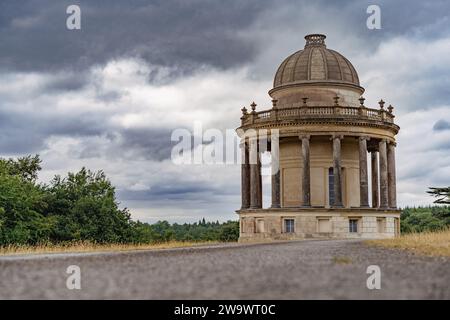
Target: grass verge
x: 428, y: 243
x: 74, y: 247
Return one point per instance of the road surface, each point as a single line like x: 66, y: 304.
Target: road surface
x: 328, y: 269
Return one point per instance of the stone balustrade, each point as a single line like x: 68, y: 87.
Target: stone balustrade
x: 335, y: 112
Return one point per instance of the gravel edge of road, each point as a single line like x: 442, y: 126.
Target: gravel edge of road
x: 38, y: 256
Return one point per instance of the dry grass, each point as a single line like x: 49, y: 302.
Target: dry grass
x: 74, y: 247
x: 427, y: 243
x: 342, y: 260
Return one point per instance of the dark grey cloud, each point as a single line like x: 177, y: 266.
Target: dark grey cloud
x: 25, y: 132
x: 181, y: 34
x: 169, y: 190
x: 68, y: 81
x: 152, y: 144
x: 441, y: 125
x: 184, y: 34
x: 118, y: 143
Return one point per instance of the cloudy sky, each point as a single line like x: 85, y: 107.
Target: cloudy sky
x: 108, y: 96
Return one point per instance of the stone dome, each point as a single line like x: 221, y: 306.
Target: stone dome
x: 315, y: 64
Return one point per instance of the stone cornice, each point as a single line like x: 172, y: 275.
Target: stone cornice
x: 328, y: 83
x: 309, y: 210
x: 324, y: 121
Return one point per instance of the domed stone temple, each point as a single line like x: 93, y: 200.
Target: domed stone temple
x: 326, y: 148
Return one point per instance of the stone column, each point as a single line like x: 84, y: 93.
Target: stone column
x: 275, y: 154
x: 374, y: 165
x: 306, y: 173
x: 260, y: 203
x: 245, y: 176
x: 391, y: 176
x: 254, y: 174
x: 337, y: 170
x: 363, y: 178
x: 383, y: 174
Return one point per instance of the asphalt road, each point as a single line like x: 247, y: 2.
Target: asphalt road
x: 330, y: 269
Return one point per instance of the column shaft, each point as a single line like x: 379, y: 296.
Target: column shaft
x: 275, y: 166
x: 383, y: 175
x: 306, y: 173
x: 392, y: 176
x: 363, y: 178
x: 254, y: 174
x: 245, y: 176
x: 337, y: 171
x: 375, y: 192
x: 260, y: 201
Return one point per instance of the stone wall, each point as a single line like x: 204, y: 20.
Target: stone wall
x: 317, y: 95
x: 371, y: 224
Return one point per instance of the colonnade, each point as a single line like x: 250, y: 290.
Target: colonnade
x: 383, y: 180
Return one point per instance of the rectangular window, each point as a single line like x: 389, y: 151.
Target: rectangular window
x: 260, y: 226
x: 381, y: 225
x: 289, y: 226
x: 353, y: 225
x: 324, y: 225
x: 397, y: 226
x: 330, y: 186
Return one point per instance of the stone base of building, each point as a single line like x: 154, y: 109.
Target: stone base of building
x: 257, y: 225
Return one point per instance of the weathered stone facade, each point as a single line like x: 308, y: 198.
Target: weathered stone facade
x: 320, y: 134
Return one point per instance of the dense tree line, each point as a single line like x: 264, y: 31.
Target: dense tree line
x: 431, y: 218
x: 81, y: 206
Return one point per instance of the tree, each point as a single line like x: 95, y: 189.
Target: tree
x: 21, y: 202
x: 229, y: 231
x: 86, y: 208
x: 442, y: 193
x: 25, y: 167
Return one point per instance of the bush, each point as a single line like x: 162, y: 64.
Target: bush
x: 229, y: 231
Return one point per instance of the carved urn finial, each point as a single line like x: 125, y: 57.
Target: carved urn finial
x: 336, y: 100
x: 390, y: 108
x: 274, y: 103
x: 253, y: 106
x: 361, y: 101
x: 244, y: 111
x: 304, y: 101
x: 381, y: 103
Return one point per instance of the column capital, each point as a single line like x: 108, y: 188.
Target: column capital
x: 337, y: 136
x: 392, y: 143
x: 304, y: 136
x: 274, y: 137
x: 367, y: 138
